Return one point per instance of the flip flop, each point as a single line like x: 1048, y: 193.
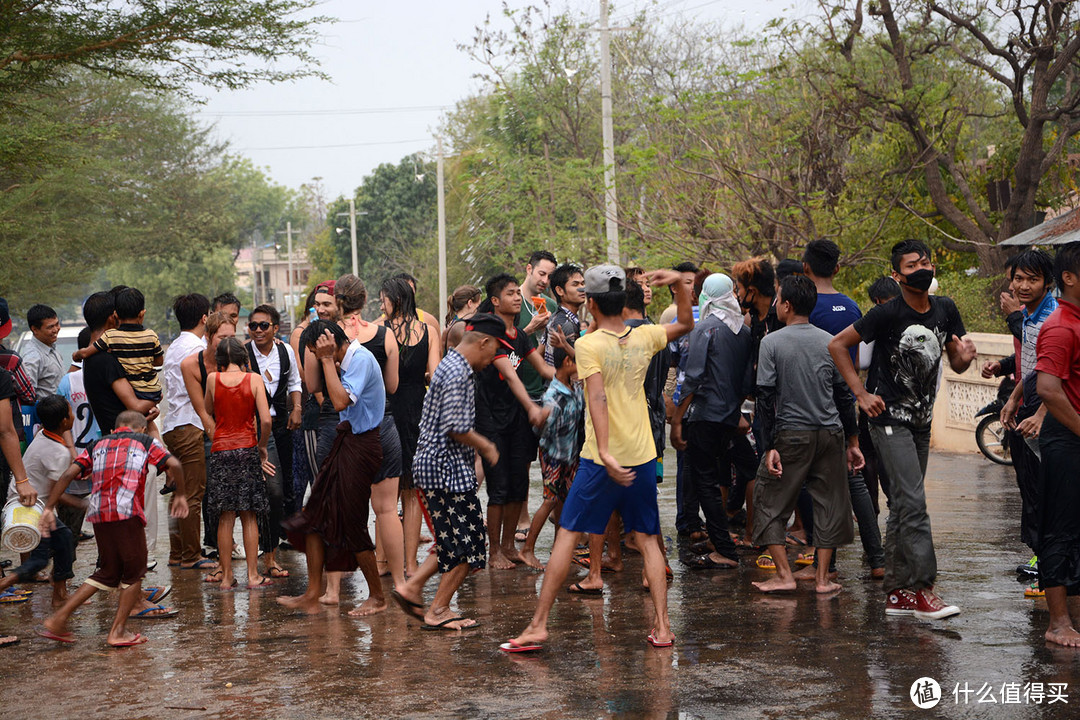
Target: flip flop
x: 19, y: 591
x: 157, y: 593
x: 277, y: 572
x: 585, y: 561
x: 152, y: 613
x: 657, y: 644
x: 8, y: 641
x: 139, y: 639
x: 150, y: 566
x: 204, y: 564
x: 576, y: 589
x: 794, y: 540
x: 211, y: 577
x: 259, y: 585
x: 765, y: 562
x: 512, y: 647
x: 521, y: 534
x: 48, y: 634
x: 444, y: 623
x: 805, y: 559
x: 416, y: 610
x: 9, y: 597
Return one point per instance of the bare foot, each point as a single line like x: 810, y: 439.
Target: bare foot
x: 513, y: 555
x: 383, y: 567
x: 328, y: 599
x: 828, y: 587
x: 303, y: 603
x: 498, y: 561
x: 459, y: 624
x: 531, y: 636
x: 1066, y: 636
x: 128, y: 638
x: 529, y: 559
x: 369, y: 607
x: 775, y: 585
x: 810, y: 573
x: 607, y: 562
x: 56, y: 628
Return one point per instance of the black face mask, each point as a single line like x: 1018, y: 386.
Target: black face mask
x: 919, y: 280
x: 746, y: 304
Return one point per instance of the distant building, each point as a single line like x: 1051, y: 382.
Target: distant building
x: 270, y: 268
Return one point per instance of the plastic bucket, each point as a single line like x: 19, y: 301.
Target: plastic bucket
x: 21, y: 532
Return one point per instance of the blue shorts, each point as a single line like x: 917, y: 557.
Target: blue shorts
x: 594, y: 496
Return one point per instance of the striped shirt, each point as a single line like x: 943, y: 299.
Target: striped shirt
x: 136, y: 347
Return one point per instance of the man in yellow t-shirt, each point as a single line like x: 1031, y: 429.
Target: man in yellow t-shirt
x: 617, y: 470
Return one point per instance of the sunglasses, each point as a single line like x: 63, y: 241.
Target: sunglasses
x: 259, y: 325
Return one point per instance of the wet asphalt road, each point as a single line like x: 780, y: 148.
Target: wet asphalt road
x: 738, y: 654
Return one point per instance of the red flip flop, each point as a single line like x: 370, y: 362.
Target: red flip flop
x: 512, y: 647
x: 657, y: 644
x: 50, y: 635
x: 139, y: 639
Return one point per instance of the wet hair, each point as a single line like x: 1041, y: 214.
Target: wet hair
x: 52, y: 411
x: 1034, y: 261
x: 609, y: 303
x: 755, y: 274
x: 350, y: 293
x: 823, y: 257
x: 315, y: 330
x: 457, y: 301
x: 788, y: 267
x: 268, y: 310
x: 38, y: 314
x: 230, y: 351
x: 801, y: 292
x: 495, y: 285
x: 539, y: 255
x: 129, y: 303
x: 189, y: 310
x: 882, y: 289
x: 635, y: 297
x: 560, y: 276
x: 84, y: 338
x: 486, y: 306
x: 97, y: 309
x: 132, y: 419
x: 310, y: 302
x: 558, y: 355
x: 907, y: 247
x: 215, y: 320
x: 407, y: 278
x: 226, y: 299
x: 1067, y: 260
x: 402, y: 300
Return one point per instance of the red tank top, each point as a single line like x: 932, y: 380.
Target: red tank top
x: 234, y: 416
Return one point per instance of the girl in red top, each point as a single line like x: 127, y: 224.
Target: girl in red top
x: 235, y: 483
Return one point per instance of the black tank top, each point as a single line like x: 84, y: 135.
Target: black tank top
x: 377, y: 346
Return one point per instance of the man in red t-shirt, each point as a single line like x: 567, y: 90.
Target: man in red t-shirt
x: 1058, y: 368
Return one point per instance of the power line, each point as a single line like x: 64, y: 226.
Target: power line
x: 354, y: 111
x: 347, y: 145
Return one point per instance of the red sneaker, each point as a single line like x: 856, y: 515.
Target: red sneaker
x: 931, y: 607
x: 900, y: 602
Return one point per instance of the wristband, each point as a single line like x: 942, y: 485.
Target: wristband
x: 25, y: 479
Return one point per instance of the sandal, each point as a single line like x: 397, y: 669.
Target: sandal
x: 765, y: 562
x: 214, y: 577
x: 805, y: 559
x: 277, y: 572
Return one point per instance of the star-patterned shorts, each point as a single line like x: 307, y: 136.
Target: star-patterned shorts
x: 459, y: 529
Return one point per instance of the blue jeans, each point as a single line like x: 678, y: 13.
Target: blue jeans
x: 60, y: 546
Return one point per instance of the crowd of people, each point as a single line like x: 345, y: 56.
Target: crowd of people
x: 787, y: 408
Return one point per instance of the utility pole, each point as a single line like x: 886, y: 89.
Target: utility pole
x: 611, y: 207
x: 254, y: 273
x: 290, y: 303
x: 352, y: 235
x: 442, y: 232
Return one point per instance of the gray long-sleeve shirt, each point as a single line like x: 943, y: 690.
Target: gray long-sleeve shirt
x: 719, y: 372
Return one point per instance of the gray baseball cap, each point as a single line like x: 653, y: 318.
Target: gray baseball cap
x: 598, y: 279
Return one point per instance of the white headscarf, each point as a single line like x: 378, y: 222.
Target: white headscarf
x: 718, y: 298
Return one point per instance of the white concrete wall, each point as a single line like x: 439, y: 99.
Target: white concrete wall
x: 960, y: 396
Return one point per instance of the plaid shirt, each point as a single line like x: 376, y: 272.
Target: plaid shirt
x: 442, y: 463
x: 24, y: 389
x: 119, y: 463
x: 563, y: 433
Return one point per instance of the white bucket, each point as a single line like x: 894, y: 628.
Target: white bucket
x: 21, y: 532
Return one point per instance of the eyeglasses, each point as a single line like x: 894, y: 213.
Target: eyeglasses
x: 258, y: 325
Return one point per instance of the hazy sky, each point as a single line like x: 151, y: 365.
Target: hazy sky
x: 394, y: 68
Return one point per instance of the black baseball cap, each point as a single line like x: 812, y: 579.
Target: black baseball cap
x: 5, y: 319
x: 488, y: 324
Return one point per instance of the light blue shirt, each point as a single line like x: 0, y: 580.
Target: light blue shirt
x: 362, y: 379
